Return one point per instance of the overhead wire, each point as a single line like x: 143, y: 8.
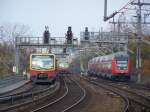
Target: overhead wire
x: 126, y: 5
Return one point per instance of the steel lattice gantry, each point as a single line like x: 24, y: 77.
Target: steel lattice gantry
x: 37, y: 42
x: 106, y: 39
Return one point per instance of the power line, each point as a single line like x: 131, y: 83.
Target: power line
x: 116, y: 12
x: 136, y: 9
x: 139, y: 36
x: 139, y: 28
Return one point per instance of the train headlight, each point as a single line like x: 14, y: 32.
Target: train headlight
x: 34, y: 62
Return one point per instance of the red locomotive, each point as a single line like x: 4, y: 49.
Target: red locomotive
x: 113, y: 66
x: 43, y: 68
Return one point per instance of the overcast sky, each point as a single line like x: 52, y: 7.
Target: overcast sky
x: 57, y: 14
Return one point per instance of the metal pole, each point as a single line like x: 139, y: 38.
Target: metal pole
x: 138, y: 51
x: 114, y: 24
x: 17, y: 60
x: 105, y: 10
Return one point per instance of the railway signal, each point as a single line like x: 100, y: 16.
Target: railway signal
x: 69, y: 35
x: 64, y: 50
x: 46, y: 35
x: 86, y: 34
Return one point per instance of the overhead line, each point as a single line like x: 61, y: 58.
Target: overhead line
x: 126, y: 5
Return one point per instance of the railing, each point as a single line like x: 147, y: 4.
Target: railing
x: 105, y: 36
x: 8, y: 80
x: 29, y: 40
x: 39, y: 40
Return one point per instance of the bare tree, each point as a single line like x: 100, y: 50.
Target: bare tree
x: 8, y: 32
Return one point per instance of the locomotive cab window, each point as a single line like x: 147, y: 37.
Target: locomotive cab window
x: 42, y: 61
x: 122, y: 63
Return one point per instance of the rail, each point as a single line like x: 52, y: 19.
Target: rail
x: 57, y: 100
x: 13, y: 107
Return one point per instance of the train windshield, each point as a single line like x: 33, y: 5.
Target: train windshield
x: 42, y: 61
x: 122, y: 65
x: 63, y: 65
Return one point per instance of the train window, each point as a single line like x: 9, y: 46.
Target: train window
x: 42, y: 61
x: 122, y: 65
x: 121, y: 58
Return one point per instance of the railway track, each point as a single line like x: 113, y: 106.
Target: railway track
x: 28, y: 90
x: 127, y: 83
x: 10, y: 80
x: 140, y: 90
x: 126, y: 100
x: 130, y: 86
x: 12, y: 103
x: 141, y: 101
x: 25, y: 88
x: 71, y: 97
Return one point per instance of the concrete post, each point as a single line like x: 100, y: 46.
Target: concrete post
x: 17, y: 59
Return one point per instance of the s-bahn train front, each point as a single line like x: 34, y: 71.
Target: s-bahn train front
x: 63, y: 66
x: 43, y: 68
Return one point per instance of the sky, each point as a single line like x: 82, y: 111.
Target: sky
x: 58, y: 14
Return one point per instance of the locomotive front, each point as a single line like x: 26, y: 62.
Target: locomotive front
x: 121, y: 66
x: 43, y: 67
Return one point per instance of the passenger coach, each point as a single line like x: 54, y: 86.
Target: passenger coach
x: 113, y: 66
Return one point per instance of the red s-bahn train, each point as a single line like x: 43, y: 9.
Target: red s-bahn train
x: 115, y: 66
x: 43, y: 68
x: 63, y: 66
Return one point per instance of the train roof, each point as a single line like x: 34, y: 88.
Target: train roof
x: 121, y: 53
x: 110, y: 56
x: 41, y: 54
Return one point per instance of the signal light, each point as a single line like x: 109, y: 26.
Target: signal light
x: 64, y: 50
x: 86, y: 34
x: 46, y: 35
x: 69, y: 36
